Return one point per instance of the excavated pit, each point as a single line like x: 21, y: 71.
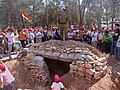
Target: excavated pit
x: 57, y: 67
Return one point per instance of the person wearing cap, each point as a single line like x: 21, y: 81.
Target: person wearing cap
x: 57, y: 85
x: 8, y: 79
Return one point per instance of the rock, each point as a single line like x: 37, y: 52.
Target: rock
x: 71, y: 56
x: 64, y: 56
x: 90, y: 71
x: 89, y: 77
x: 82, y: 65
x: 41, y: 52
x: 98, y: 68
x: 80, y: 62
x: 74, y: 67
x: 80, y: 69
x: 88, y: 66
x: 55, y: 55
x: 35, y: 51
x: 31, y: 50
x: 48, y: 53
x: 97, y: 75
x: 78, y: 56
x: 30, y: 56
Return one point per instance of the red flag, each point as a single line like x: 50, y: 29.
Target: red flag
x: 25, y: 16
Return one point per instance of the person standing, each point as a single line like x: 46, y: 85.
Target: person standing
x: 10, y: 42
x: 8, y: 79
x: 107, y: 42
x: 22, y: 36
x: 100, y: 40
x: 62, y: 24
x: 57, y: 85
x: 38, y: 36
x: 115, y: 38
x: 94, y: 35
x: 117, y: 53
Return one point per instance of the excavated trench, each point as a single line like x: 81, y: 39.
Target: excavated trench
x: 57, y: 67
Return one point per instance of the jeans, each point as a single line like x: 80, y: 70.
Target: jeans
x: 10, y: 86
x: 23, y: 43
x: 9, y: 50
x: 117, y: 53
x: 113, y: 47
x: 94, y: 44
x: 18, y: 45
x: 107, y: 46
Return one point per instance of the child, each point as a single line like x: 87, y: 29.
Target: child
x: 8, y: 80
x: 57, y: 85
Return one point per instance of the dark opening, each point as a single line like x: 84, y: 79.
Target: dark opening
x: 57, y: 67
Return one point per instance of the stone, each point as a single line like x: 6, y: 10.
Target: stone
x: 55, y: 55
x: 80, y: 69
x: 41, y: 52
x: 31, y: 50
x: 71, y: 56
x: 98, y: 68
x: 38, y: 58
x: 80, y: 62
x: 30, y: 56
x: 89, y: 77
x: 88, y: 57
x: 64, y: 56
x: 78, y: 56
x: 78, y: 51
x: 48, y: 53
x: 88, y: 66
x: 74, y: 67
x: 97, y: 75
x: 82, y: 65
x: 35, y: 51
x: 90, y: 71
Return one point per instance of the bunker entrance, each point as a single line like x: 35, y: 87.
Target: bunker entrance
x: 57, y: 67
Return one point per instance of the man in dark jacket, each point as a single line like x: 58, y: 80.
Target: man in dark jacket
x: 115, y: 38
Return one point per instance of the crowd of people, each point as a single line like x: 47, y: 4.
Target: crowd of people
x: 105, y: 39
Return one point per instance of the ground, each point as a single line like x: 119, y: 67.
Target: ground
x: 110, y: 81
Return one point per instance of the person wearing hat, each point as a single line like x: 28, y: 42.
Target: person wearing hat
x: 57, y: 85
x: 8, y: 79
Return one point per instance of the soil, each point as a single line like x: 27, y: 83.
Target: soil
x: 111, y: 81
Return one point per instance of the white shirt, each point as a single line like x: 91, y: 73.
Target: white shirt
x: 31, y: 35
x: 38, y: 35
x: 10, y: 38
x: 57, y: 86
x: 70, y: 35
x: 94, y: 36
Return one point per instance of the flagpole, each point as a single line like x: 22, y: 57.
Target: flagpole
x: 23, y: 26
